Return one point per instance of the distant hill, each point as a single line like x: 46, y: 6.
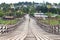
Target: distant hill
x: 25, y: 3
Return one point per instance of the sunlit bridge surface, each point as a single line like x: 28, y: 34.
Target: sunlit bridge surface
x: 28, y: 30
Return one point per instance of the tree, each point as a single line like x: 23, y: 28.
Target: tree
x: 58, y: 11
x: 53, y: 10
x: 49, y: 16
x: 32, y: 10
x: 47, y: 3
x: 5, y: 7
x: 1, y: 13
x: 59, y: 4
x: 55, y: 4
x: 38, y: 8
x: 25, y: 9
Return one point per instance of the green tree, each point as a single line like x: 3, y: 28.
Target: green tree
x: 58, y: 18
x: 1, y: 13
x: 49, y: 14
x: 32, y: 10
x: 5, y: 7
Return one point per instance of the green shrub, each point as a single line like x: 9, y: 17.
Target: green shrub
x: 1, y: 13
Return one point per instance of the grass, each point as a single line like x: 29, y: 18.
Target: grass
x: 51, y: 22
x: 8, y: 21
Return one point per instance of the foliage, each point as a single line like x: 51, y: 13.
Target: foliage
x: 8, y: 21
x: 19, y: 14
x: 1, y: 13
x: 49, y: 14
x: 52, y: 22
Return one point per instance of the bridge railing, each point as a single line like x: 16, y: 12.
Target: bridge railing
x: 55, y: 29
x: 6, y: 28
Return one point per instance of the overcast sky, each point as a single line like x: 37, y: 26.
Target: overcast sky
x: 16, y: 1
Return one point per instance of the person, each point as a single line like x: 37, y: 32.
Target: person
x: 29, y: 19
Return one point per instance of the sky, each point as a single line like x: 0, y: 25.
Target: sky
x: 38, y: 1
